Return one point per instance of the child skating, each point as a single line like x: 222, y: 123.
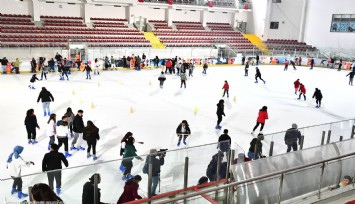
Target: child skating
x: 296, y: 85
x: 33, y: 80
x: 88, y: 70
x: 161, y: 79
x: 258, y: 75
x: 302, y: 91
x: 262, y: 116
x: 226, y: 88
x: 220, y: 113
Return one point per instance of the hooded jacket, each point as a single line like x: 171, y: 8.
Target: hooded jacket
x: 130, y: 192
x: 317, y: 94
x: 292, y: 135
x: 15, y: 162
x: 45, y: 95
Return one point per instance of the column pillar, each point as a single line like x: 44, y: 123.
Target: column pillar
x: 35, y: 10
x: 267, y: 20
x: 129, y: 14
x: 203, y: 17
x: 168, y: 17
x: 303, y: 21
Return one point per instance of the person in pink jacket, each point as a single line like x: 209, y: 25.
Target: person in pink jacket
x: 261, y: 119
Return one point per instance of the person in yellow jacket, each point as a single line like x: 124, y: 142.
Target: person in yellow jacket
x: 16, y: 66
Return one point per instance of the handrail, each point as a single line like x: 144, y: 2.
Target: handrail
x: 255, y: 179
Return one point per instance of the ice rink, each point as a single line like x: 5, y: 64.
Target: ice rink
x: 107, y: 100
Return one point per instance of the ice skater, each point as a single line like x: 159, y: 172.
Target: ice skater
x: 128, y: 155
x: 191, y: 69
x: 351, y: 77
x: 258, y: 75
x: 312, y: 63
x: 70, y: 116
x: 65, y: 70
x: 296, y: 85
x: 161, y: 79
x: 78, y: 128
x: 51, y: 129
x: 44, y: 72
x: 88, y: 70
x: 205, y: 66
x: 302, y: 91
x: 46, y: 98
x: 293, y: 64
x: 318, y: 96
x: 97, y: 65
x: 226, y: 88
x: 262, y: 116
x: 220, y: 113
x: 33, y: 80
x: 14, y: 165
x: 31, y: 125
x: 340, y: 64
x: 183, y: 79
x: 246, y: 68
x: 62, y: 135
x: 91, y: 135
x: 183, y: 130
x: 286, y: 65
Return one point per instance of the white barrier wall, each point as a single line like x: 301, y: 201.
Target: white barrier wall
x: 61, y: 9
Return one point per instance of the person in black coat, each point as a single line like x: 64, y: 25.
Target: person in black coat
x: 243, y: 60
x: 258, y: 75
x: 46, y: 97
x: 65, y: 70
x: 58, y: 57
x: 257, y: 59
x: 293, y: 64
x: 318, y: 95
x: 32, y: 81
x: 246, y: 69
x: 51, y: 65
x: 183, y: 130
x: 53, y: 161
x: 340, y: 64
x: 78, y: 128
x: 211, y: 171
x: 157, y: 160
x: 224, y: 141
x: 291, y: 137
x: 220, y: 112
x: 312, y: 63
x: 31, y: 124
x: 4, y: 62
x: 88, y: 70
x: 91, y: 135
x: 256, y: 143
x: 33, y: 65
x: 351, y: 77
x: 89, y: 191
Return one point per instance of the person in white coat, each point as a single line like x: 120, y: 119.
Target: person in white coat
x: 14, y: 165
x: 51, y: 129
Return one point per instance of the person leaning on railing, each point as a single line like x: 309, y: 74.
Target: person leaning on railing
x: 157, y: 160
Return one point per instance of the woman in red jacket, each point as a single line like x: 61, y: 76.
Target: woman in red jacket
x: 261, y: 119
x: 297, y: 85
x: 302, y: 91
x: 130, y: 190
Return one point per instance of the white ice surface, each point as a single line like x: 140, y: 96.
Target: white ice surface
x: 157, y: 113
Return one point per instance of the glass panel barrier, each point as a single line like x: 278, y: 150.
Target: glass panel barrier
x: 259, y: 192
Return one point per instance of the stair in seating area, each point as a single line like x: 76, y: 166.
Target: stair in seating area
x: 154, y: 40
x: 255, y: 40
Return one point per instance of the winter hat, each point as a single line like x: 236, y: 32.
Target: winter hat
x: 294, y: 125
x: 202, y: 180
x: 16, y: 153
x: 260, y: 136
x: 162, y: 72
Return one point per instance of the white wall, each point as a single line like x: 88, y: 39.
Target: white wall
x: 317, y: 32
x: 53, y: 9
x: 288, y: 14
x: 186, y: 15
x: 105, y: 11
x: 256, y: 18
x: 218, y: 17
x: 148, y: 12
x: 15, y: 7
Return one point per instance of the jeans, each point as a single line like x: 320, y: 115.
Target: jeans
x: 128, y: 164
x: 204, y: 71
x: 88, y: 75
x: 183, y: 82
x: 51, y: 139
x: 62, y: 140
x: 185, y: 136
x: 226, y: 91
x: 155, y: 182
x: 161, y: 83
x: 57, y: 175
x: 93, y: 145
x: 219, y: 119
x: 251, y: 156
x: 45, y: 106
x: 65, y: 73
x: 78, y: 139
x: 293, y: 145
x: 3, y: 69
x: 44, y: 73
x: 17, y: 183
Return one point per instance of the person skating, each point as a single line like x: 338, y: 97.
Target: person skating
x: 33, y: 65
x: 53, y: 161
x: 46, y: 98
x: 88, y: 70
x: 130, y: 192
x: 156, y: 61
x: 128, y: 155
x: 91, y: 135
x: 226, y: 88
x: 62, y: 134
x: 205, y: 66
x: 220, y: 113
x: 70, y: 116
x: 246, y: 68
x: 183, y: 79
x: 293, y: 64
x: 33, y: 80
x: 340, y: 64
x: 191, y: 69
x: 258, y: 75
x: 302, y: 91
x: 318, y: 96
x: 31, y: 125
x: 286, y: 65
x: 16, y: 66
x: 168, y: 66
x: 256, y: 148
x: 312, y: 63
x: 243, y: 59
x: 351, y: 77
x: 262, y: 116
x: 257, y: 59
x: 78, y: 128
x: 51, y: 129
x: 297, y: 85
x: 14, y: 164
x: 97, y: 65
x: 183, y: 130
x: 65, y: 70
x: 44, y: 72
x: 161, y: 79
x: 291, y: 137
